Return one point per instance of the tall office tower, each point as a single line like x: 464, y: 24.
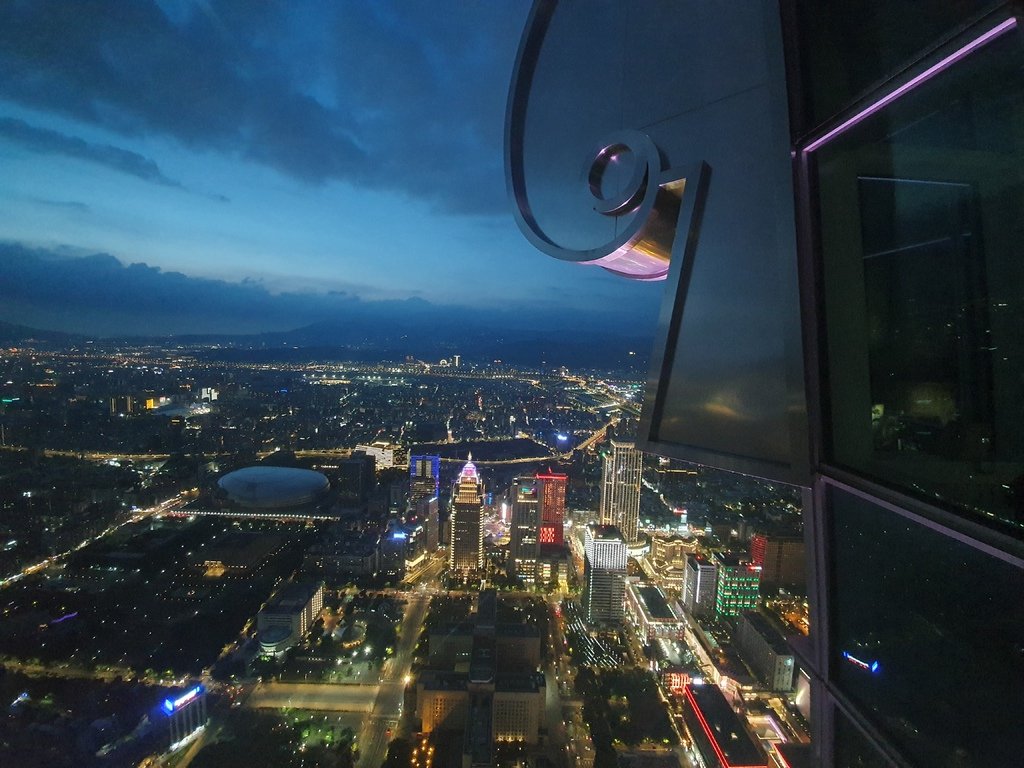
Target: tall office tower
x: 738, y: 585
x: 357, y: 476
x: 392, y: 550
x: 466, y: 523
x: 524, y: 528
x: 424, y: 478
x: 781, y: 559
x: 604, y: 574
x: 427, y: 513
x: 699, y: 585
x: 552, y: 507
x: 620, y: 488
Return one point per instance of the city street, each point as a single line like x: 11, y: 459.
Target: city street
x: 383, y: 720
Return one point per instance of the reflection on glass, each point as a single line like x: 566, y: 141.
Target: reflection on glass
x: 848, y: 46
x: 852, y: 750
x: 919, y: 210
x: 927, y: 637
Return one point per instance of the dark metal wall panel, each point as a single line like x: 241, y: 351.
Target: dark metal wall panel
x: 705, y: 83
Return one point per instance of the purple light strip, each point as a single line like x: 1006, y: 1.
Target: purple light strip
x: 911, y: 84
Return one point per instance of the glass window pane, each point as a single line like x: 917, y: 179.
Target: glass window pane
x: 852, y: 750
x: 926, y: 637
x: 849, y: 46
x: 920, y: 210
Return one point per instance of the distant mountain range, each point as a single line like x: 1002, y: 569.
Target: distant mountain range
x: 99, y: 297
x: 336, y: 341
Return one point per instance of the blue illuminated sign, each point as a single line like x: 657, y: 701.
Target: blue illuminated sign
x: 870, y: 666
x: 562, y: 438
x: 398, y: 536
x: 171, y: 706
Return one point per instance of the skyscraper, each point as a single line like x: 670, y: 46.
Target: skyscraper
x: 426, y: 513
x: 620, y: 489
x: 604, y: 574
x: 699, y: 585
x: 781, y: 559
x: 552, y: 506
x: 524, y: 528
x: 738, y: 585
x: 424, y: 478
x: 466, y: 547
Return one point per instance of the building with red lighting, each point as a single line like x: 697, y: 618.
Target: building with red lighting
x: 717, y: 732
x: 551, y: 488
x: 781, y: 559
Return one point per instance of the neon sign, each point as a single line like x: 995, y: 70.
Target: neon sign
x: 171, y: 706
x: 870, y: 666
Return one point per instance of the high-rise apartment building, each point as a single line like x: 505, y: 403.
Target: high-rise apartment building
x: 699, y: 585
x: 552, y: 486
x: 604, y: 575
x: 524, y: 527
x: 737, y: 585
x: 846, y: 253
x: 620, y: 488
x: 466, y: 523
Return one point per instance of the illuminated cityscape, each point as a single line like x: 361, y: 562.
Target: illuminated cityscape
x: 218, y: 542
x: 522, y: 386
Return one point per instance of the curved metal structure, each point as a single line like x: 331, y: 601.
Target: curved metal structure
x: 627, y: 201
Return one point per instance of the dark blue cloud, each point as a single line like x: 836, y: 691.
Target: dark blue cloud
x: 396, y: 96
x: 51, y: 142
x: 98, y: 294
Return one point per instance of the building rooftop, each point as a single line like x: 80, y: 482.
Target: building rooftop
x: 730, y: 560
x: 795, y: 755
x: 437, y: 680
x: 527, y: 682
x: 723, y: 728
x: 291, y: 597
x: 478, y: 733
x: 765, y: 629
x: 654, y: 603
x: 605, y: 532
x: 482, y: 661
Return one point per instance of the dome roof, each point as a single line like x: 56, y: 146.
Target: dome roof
x: 271, y: 487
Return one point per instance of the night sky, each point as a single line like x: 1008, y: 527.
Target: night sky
x: 182, y: 166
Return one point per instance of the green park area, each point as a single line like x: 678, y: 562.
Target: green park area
x: 622, y: 707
